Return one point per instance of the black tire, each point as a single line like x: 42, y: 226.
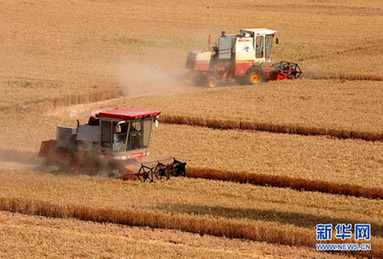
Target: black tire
x: 255, y: 75
x: 211, y: 82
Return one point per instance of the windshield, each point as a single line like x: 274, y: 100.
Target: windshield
x: 133, y: 135
x: 119, y: 139
x: 259, y: 46
x: 268, y: 45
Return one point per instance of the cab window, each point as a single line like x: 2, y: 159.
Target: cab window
x: 106, y: 134
x: 259, y: 46
x: 139, y: 134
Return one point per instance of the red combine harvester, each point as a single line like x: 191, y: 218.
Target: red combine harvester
x: 244, y: 57
x: 111, y: 144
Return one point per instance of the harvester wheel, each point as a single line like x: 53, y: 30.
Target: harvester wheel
x: 255, y: 75
x: 211, y: 81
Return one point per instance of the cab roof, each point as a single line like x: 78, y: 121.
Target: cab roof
x: 259, y: 31
x: 128, y: 113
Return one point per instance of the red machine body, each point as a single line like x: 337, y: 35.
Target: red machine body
x: 244, y: 57
x: 112, y: 143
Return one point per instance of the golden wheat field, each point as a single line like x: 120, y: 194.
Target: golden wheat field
x: 112, y: 240
x: 240, y: 211
x: 265, y: 164
x: 338, y: 108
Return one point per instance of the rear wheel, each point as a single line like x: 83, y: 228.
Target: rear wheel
x: 211, y: 82
x: 255, y: 75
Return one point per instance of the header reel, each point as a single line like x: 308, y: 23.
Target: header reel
x: 156, y: 170
x: 288, y: 69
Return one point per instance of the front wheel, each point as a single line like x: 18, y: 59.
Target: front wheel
x: 255, y: 75
x: 211, y: 82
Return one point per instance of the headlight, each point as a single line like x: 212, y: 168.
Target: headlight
x: 120, y: 157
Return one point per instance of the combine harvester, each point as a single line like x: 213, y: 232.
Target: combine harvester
x: 112, y: 143
x: 244, y: 57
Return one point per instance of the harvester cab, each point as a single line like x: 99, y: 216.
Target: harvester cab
x: 112, y: 144
x: 244, y: 57
x: 126, y: 132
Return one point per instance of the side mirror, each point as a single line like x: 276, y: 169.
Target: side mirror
x: 276, y: 41
x: 156, y: 120
x: 118, y: 126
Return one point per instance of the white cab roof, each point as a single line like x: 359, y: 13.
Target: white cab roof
x: 258, y: 31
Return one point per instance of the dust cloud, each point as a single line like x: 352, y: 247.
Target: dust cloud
x: 314, y: 70
x: 19, y: 160
x: 157, y: 76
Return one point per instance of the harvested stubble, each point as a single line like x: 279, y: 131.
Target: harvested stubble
x: 85, y: 52
x: 34, y: 236
x: 342, y: 109
x: 286, y: 182
x: 207, y: 207
x: 38, y: 95
x: 357, y: 63
x: 78, y: 46
x: 278, y: 156
x: 36, y: 241
x: 313, y: 160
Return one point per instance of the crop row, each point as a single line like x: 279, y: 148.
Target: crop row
x: 342, y: 109
x: 59, y: 100
x: 344, y: 162
x: 286, y: 182
x: 25, y: 236
x: 31, y: 236
x: 271, y: 127
x: 194, y: 205
x: 281, y: 181
x: 132, y: 217
x: 255, y: 178
x: 316, y: 161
